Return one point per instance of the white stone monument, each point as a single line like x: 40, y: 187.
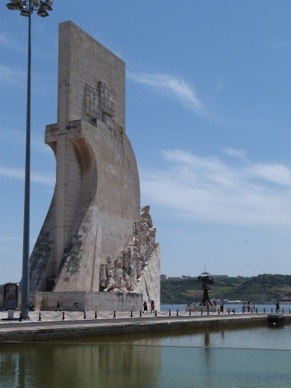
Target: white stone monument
x: 96, y: 245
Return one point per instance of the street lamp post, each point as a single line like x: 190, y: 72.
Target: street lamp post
x: 26, y: 8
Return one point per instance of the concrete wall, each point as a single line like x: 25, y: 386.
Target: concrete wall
x: 99, y: 301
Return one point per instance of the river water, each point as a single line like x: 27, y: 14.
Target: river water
x: 256, y: 357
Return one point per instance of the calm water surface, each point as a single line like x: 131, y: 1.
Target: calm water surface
x: 257, y: 357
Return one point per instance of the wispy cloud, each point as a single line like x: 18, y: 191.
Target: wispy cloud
x: 10, y: 75
x: 8, y: 42
x: 274, y: 173
x: 18, y: 77
x: 235, y: 152
x: 10, y: 135
x: 209, y: 189
x: 17, y: 173
x: 175, y: 87
x: 3, y: 39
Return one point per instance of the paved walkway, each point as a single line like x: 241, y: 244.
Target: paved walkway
x: 73, y: 316
x: 55, y: 325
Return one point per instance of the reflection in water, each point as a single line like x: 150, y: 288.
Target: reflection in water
x: 207, y: 352
x: 208, y: 358
x: 206, y: 338
x: 62, y: 365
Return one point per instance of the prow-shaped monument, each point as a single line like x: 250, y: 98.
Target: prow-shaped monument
x: 96, y: 247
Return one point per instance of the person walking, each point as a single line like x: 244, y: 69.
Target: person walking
x: 58, y: 304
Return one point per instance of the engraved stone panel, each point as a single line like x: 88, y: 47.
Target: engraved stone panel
x: 106, y: 98
x: 92, y: 104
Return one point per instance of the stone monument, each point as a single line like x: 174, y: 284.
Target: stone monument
x: 96, y: 246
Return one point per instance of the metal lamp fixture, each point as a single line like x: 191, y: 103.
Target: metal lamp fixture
x: 12, y: 6
x: 47, y: 5
x: 25, y: 12
x: 26, y: 8
x: 42, y: 12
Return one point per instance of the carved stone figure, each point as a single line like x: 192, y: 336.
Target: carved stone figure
x: 128, y: 268
x: 111, y: 284
x: 103, y: 276
x: 145, y: 216
x: 108, y: 266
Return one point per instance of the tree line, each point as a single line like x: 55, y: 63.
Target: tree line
x: 261, y: 288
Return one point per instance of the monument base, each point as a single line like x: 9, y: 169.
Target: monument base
x: 86, y: 301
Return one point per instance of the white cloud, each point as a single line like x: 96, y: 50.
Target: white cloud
x: 210, y: 190
x: 14, y: 173
x: 7, y: 42
x: 235, y: 152
x: 17, y: 173
x: 176, y: 87
x: 18, y: 77
x: 275, y: 173
x: 16, y: 136
x: 10, y: 75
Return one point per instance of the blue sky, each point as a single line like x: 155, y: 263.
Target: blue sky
x: 208, y: 97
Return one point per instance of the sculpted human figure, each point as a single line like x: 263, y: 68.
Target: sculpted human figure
x: 125, y: 259
x: 108, y: 266
x: 142, y: 232
x: 133, y: 267
x: 139, y: 264
x: 145, y: 216
x: 132, y: 275
x: 127, y: 281
x: 119, y: 278
x: 103, y: 276
x: 124, y: 272
x: 129, y: 253
x: 136, y: 244
x: 111, y: 283
x: 135, y: 228
x: 119, y: 274
x: 150, y: 243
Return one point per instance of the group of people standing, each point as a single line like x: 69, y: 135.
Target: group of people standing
x: 152, y: 306
x: 249, y: 307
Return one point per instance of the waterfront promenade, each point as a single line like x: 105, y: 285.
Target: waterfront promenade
x: 55, y: 325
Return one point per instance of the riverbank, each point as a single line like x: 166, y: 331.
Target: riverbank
x: 50, y: 326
